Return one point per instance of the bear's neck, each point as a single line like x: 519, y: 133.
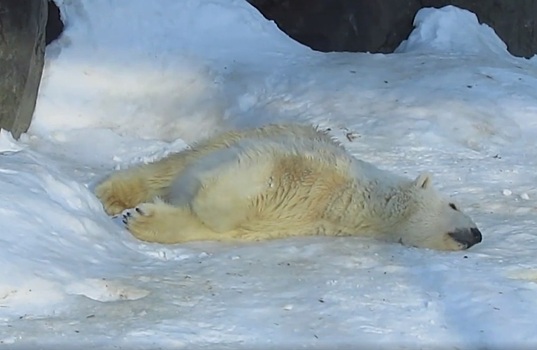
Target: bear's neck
x: 362, y: 208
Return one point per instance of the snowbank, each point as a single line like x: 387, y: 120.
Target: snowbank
x: 160, y: 62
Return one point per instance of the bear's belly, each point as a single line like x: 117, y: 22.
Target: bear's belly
x: 297, y: 204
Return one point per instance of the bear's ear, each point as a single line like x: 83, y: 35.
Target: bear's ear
x: 424, y: 180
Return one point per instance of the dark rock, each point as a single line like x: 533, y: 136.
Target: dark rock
x: 381, y: 25
x: 22, y: 44
x: 55, y: 25
x: 343, y: 25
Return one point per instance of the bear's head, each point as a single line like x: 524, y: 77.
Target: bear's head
x: 432, y: 221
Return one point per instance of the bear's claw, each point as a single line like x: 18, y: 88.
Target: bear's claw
x: 127, y: 215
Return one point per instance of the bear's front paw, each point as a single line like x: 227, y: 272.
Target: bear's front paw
x: 113, y: 204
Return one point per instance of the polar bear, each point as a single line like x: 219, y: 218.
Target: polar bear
x: 280, y: 181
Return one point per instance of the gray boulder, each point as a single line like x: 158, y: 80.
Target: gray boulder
x: 22, y: 45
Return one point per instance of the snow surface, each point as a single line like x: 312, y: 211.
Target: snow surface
x: 132, y: 81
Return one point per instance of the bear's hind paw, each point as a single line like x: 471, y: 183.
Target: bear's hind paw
x: 163, y: 223
x: 142, y: 210
x: 141, y: 221
x: 153, y: 222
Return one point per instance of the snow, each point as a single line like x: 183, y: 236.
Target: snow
x: 130, y: 83
x: 437, y: 34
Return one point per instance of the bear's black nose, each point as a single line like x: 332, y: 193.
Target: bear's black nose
x: 476, y: 234
x: 468, y: 236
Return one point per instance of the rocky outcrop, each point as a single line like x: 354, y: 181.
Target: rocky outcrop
x: 22, y: 44
x: 381, y: 25
x: 342, y: 25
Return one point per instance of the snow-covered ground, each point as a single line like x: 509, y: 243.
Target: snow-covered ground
x: 132, y: 81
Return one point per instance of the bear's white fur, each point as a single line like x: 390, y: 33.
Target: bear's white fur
x: 279, y: 181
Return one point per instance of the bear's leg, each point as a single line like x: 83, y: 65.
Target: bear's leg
x: 127, y: 188
x: 160, y: 222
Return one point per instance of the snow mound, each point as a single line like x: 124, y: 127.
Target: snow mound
x: 112, y: 73
x: 451, y: 30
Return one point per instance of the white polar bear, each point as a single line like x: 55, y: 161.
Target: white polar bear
x: 280, y: 181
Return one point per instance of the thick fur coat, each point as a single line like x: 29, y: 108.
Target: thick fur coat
x: 279, y: 181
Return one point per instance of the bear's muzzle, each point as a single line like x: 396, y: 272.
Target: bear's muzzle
x: 467, y: 236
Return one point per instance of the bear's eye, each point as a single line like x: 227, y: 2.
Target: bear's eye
x: 453, y: 206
